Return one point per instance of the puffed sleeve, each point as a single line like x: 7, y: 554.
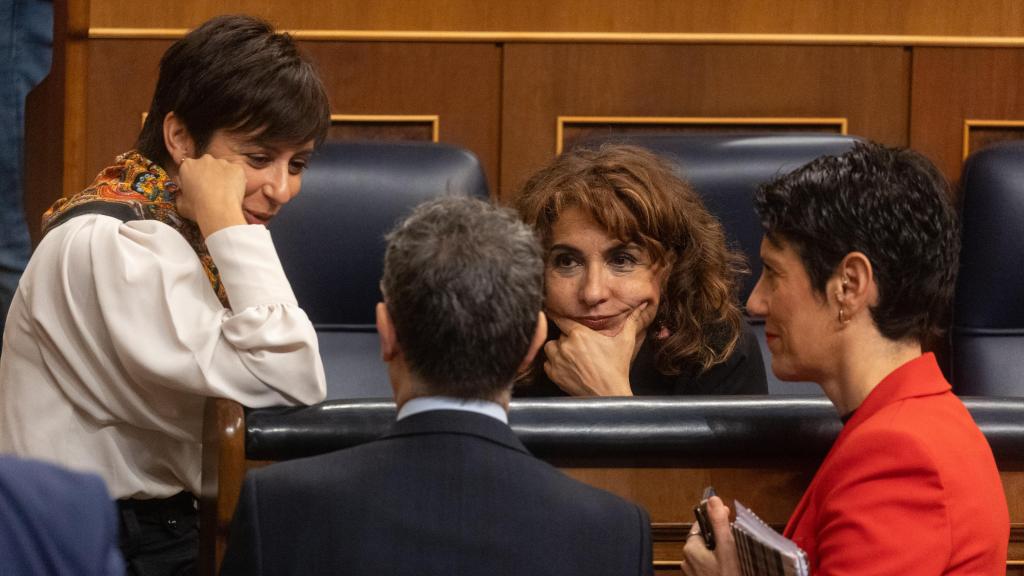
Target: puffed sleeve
x: 133, y: 315
x: 887, y: 512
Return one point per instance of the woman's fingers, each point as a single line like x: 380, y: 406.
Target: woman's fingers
x: 639, y: 319
x: 718, y: 513
x: 699, y: 561
x: 583, y: 362
x: 566, y: 325
x: 211, y: 194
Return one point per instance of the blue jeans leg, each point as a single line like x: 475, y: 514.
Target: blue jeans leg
x: 26, y: 41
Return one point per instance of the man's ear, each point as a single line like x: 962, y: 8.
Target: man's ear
x: 386, y: 331
x: 177, y: 138
x: 540, y: 335
x: 853, y: 286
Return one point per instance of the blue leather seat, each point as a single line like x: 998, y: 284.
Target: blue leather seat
x: 988, y: 310
x: 331, y: 242
x: 726, y: 169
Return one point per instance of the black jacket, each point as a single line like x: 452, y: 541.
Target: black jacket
x: 445, y: 492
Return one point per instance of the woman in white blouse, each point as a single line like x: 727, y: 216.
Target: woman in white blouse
x: 158, y: 286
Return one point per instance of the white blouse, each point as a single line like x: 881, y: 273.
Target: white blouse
x: 115, y: 338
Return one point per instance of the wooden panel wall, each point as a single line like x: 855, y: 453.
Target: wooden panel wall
x: 669, y: 494
x: 918, y: 17
x: 458, y: 83
x: 955, y: 85
x: 121, y: 77
x: 44, y: 132
x: 870, y: 86
x: 498, y: 75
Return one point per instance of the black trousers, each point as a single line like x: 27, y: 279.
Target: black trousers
x: 160, y: 537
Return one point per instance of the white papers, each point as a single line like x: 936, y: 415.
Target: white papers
x: 763, y: 551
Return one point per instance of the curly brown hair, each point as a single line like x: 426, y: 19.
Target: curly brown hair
x: 636, y: 196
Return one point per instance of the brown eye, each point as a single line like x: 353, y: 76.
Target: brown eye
x: 623, y: 260
x: 297, y: 166
x: 258, y: 160
x: 564, y: 261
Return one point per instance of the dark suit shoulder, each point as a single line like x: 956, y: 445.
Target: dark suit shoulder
x: 56, y: 520
x: 442, y: 501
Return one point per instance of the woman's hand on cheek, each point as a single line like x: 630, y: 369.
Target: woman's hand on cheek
x: 211, y: 193
x: 583, y: 362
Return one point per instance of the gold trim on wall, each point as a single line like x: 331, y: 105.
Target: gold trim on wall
x: 969, y: 124
x: 434, y: 119
x: 602, y: 37
x: 561, y: 122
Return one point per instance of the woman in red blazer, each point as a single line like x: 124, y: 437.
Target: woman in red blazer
x: 860, y: 257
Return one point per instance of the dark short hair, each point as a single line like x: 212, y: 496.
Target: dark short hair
x: 891, y: 204
x: 237, y: 74
x: 636, y: 196
x: 463, y: 283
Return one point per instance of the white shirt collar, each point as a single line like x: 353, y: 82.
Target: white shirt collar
x: 428, y: 403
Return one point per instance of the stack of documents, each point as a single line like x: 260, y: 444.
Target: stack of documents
x: 763, y: 551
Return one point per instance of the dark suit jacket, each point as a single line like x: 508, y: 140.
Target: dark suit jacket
x: 444, y: 493
x: 53, y: 521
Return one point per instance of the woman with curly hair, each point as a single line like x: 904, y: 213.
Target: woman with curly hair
x: 639, y: 284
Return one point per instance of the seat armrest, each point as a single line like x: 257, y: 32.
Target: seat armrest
x: 224, y: 466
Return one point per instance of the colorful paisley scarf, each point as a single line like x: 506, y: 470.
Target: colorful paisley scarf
x: 135, y: 188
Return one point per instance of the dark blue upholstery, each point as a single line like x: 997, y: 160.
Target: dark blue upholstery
x: 331, y: 242
x: 988, y: 313
x: 726, y: 169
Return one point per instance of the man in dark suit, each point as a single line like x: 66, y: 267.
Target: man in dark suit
x: 450, y: 490
x: 53, y: 521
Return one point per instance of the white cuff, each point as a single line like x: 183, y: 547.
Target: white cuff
x: 249, y: 267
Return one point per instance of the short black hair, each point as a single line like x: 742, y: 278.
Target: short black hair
x: 464, y: 284
x: 236, y: 73
x: 891, y: 204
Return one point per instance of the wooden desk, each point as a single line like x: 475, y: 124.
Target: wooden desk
x: 660, y: 453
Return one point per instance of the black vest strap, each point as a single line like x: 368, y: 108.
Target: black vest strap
x: 123, y: 212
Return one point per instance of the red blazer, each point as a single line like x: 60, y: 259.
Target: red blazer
x: 909, y: 488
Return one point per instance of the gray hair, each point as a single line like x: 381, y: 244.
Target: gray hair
x: 463, y: 283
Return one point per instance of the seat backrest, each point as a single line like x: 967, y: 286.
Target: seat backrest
x: 726, y: 170
x: 988, y: 310
x: 331, y: 242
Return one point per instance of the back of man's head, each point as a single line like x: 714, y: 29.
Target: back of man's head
x: 463, y: 285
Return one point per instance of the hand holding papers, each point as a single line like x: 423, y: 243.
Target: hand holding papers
x: 700, y: 560
x: 763, y: 551
x: 748, y: 548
